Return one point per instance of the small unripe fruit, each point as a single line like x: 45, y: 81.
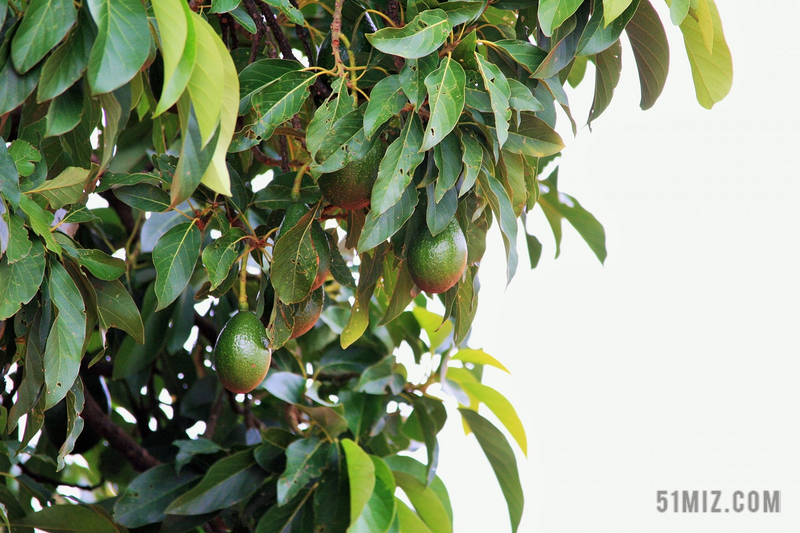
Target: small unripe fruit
x: 242, y: 355
x: 437, y: 262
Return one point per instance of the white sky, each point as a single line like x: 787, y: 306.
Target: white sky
x: 675, y: 366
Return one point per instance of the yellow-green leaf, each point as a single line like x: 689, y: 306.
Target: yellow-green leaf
x: 501, y: 408
x: 207, y: 80
x: 361, y: 473
x: 178, y: 48
x: 478, y: 357
x: 712, y: 71
x: 613, y: 9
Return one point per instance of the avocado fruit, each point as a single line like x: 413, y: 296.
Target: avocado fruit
x: 321, y: 244
x: 55, y: 419
x: 437, y: 262
x: 242, y: 355
x: 351, y: 186
x: 306, y: 313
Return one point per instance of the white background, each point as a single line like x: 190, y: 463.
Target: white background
x: 675, y: 365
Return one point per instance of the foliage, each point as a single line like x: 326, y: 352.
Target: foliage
x: 176, y: 114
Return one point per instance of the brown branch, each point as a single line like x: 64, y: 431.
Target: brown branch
x: 283, y: 149
x: 206, y: 328
x: 96, y: 419
x: 213, y: 416
x: 393, y: 12
x: 41, y: 478
x: 302, y: 34
x: 272, y: 22
x: 336, y: 31
x: 261, y: 28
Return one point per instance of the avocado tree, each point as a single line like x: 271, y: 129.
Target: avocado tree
x: 240, y: 244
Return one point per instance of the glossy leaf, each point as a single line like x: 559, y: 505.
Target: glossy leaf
x: 380, y: 510
x: 101, y: 264
x: 424, y: 34
x: 284, y: 98
x: 523, y: 52
x: 380, y: 226
x: 148, y: 496
x: 431, y: 501
x: 121, y: 46
x: 533, y: 137
x: 360, y: 475
x: 20, y: 281
x: 116, y: 309
x: 15, y: 88
x: 447, y: 155
x: 553, y: 13
x: 295, y: 261
x: 19, y: 244
x: 45, y: 23
x: 219, y: 256
x: 412, y: 77
x: 178, y: 49
x: 651, y: 51
x: 498, y: 199
x: 712, y: 71
x: 446, y: 86
x: 346, y: 141
x: 278, y: 518
x: 67, y: 519
x: 612, y: 9
x: 305, y: 460
x: 386, y: 101
x: 68, y: 62
x: 608, y: 67
x: 294, y: 15
x: 64, y: 189
x: 257, y: 76
x: 678, y: 9
x: 64, y: 347
x: 478, y: 357
x: 227, y: 482
x: 144, y: 196
x: 499, y: 93
x: 287, y: 386
x: 174, y: 257
x: 40, y: 222
x: 397, y: 169
x: 65, y: 112
x: 408, y: 520
x: 599, y: 35
x: 195, y: 156
x: 504, y: 464
x: 502, y: 409
x: 369, y: 272
x: 9, y: 176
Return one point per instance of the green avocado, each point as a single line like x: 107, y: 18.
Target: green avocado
x: 242, y: 354
x: 437, y: 262
x: 55, y: 420
x: 351, y: 187
x: 306, y: 313
x: 321, y: 244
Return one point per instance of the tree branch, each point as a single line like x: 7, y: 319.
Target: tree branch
x: 280, y: 38
x: 261, y: 28
x: 40, y: 478
x: 135, y: 454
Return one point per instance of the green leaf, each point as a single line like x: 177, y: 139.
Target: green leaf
x: 45, y: 23
x: 361, y: 476
x: 369, y: 271
x: 533, y: 137
x: 523, y: 52
x: 19, y: 245
x: 65, y: 112
x: 503, y: 462
x: 19, y: 282
x: 412, y: 77
x: 397, y: 169
x: 608, y: 65
x: 116, y: 107
x: 15, y: 88
x: 435, y: 326
x: 219, y: 256
x: 227, y: 482
x: 678, y: 9
x: 431, y: 501
x: 478, y: 357
x: 380, y: 226
x: 651, y: 51
x: 521, y: 98
x: 553, y: 13
x: 462, y: 12
x: 257, y: 76
x: 492, y: 190
x: 321, y: 126
x: 295, y: 261
x: 40, y: 222
x: 380, y: 511
x: 502, y: 409
x: 216, y: 176
x: 281, y: 102
x: 278, y: 518
x: 148, y: 496
x: 447, y: 156
x: 305, y: 460
x: 25, y: 155
x: 446, y: 92
x: 499, y: 92
x: 174, y: 257
x: 223, y: 6
x: 178, y: 49
x: 195, y: 157
x: 101, y: 264
x: 292, y: 13
x: 409, y: 521
x: 116, y: 309
x: 74, y: 406
x: 472, y: 156
x: 613, y: 9
x: 386, y: 101
x: 187, y: 449
x: 557, y: 205
x: 9, y: 176
x: 144, y: 196
x: 424, y: 34
x: 287, y: 386
x: 64, y: 347
x: 598, y: 36
x: 67, y: 63
x: 64, y: 189
x: 204, y: 85
x: 67, y: 519
x: 345, y: 142
x: 122, y: 44
x: 712, y: 71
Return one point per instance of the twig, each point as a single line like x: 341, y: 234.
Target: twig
x: 41, y: 478
x: 283, y: 149
x: 272, y: 22
x: 393, y: 12
x: 302, y: 34
x: 96, y: 419
x: 336, y: 31
x: 261, y: 28
x: 213, y: 416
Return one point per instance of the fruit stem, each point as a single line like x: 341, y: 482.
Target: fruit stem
x: 243, y: 305
x: 298, y: 180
